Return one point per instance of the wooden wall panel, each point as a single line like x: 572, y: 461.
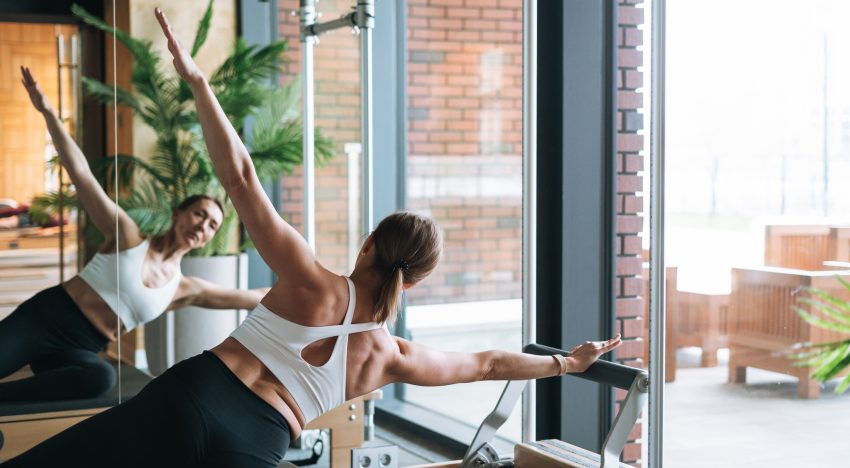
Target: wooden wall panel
x: 24, y: 141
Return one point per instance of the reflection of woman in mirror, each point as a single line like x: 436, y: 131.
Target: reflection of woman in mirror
x: 60, y: 330
x: 316, y: 340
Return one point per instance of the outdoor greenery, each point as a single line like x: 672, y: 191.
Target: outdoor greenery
x: 827, y: 359
x: 180, y: 166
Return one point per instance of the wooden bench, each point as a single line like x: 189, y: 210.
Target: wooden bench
x: 763, y: 326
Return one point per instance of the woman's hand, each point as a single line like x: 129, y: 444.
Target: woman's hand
x: 183, y: 62
x: 39, y: 101
x: 583, y: 355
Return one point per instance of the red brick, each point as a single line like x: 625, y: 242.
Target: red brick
x: 483, y: 25
x: 632, y: 328
x: 462, y: 35
x: 633, y: 162
x: 426, y: 11
x: 631, y: 453
x: 628, y: 15
x: 629, y: 58
x: 629, y: 224
x: 629, y: 100
x: 632, y: 37
x: 633, y: 79
x: 456, y: 12
x: 632, y: 285
x: 628, y: 266
x: 629, y: 142
x: 630, y: 349
x: 629, y: 183
x: 497, y: 13
x: 632, y: 204
x: 632, y: 245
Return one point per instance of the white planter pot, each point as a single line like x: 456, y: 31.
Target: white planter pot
x: 186, y: 332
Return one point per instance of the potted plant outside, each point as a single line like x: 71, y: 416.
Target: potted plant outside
x: 828, y: 360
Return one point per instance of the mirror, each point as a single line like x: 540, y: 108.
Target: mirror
x: 54, y: 352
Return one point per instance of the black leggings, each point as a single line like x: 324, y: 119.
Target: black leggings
x: 50, y: 333
x: 196, y: 414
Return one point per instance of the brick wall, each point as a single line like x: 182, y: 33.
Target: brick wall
x: 630, y: 167
x: 465, y: 143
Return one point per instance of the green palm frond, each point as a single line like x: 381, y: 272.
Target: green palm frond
x: 827, y: 359
x: 249, y: 63
x: 203, y: 29
x: 45, y: 207
x: 106, y: 94
x: 179, y: 165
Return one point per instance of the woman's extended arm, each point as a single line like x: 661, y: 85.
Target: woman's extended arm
x: 420, y: 365
x: 99, y: 207
x: 198, y: 292
x: 280, y: 245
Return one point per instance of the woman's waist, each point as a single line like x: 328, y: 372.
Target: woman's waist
x: 251, y: 371
x: 93, y: 307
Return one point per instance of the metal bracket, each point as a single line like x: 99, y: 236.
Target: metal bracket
x: 480, y: 451
x: 385, y: 456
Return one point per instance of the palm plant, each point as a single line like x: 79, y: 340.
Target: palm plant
x: 831, y: 358
x: 180, y: 166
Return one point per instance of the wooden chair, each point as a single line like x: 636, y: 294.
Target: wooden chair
x: 763, y: 326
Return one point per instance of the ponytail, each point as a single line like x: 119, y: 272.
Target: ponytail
x: 408, y: 248
x: 389, y: 297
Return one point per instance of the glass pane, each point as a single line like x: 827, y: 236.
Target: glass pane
x: 38, y: 224
x: 464, y: 168
x: 755, y: 207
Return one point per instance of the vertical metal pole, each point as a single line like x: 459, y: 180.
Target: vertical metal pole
x: 76, y: 92
x: 60, y: 60
x: 307, y: 12
x: 656, y: 233
x: 352, y: 152
x: 529, y: 200
x: 367, y: 8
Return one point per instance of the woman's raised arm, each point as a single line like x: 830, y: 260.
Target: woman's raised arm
x: 100, y: 208
x: 280, y: 245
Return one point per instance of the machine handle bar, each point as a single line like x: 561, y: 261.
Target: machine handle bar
x: 604, y: 372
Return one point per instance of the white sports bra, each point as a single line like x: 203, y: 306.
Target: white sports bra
x: 278, y: 343
x: 136, y: 304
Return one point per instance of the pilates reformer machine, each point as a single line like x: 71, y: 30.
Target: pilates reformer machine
x: 557, y: 453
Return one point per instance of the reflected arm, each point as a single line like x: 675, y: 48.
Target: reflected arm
x: 202, y: 293
x: 100, y: 208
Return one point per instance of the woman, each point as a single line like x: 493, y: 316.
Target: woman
x: 60, y: 330
x: 315, y: 340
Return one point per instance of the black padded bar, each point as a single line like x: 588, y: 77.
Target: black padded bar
x: 604, y: 372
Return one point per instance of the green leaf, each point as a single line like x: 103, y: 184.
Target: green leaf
x: 106, y: 94
x: 814, y: 320
x: 203, y: 29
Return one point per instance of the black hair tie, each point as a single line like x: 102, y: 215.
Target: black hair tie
x: 401, y: 265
